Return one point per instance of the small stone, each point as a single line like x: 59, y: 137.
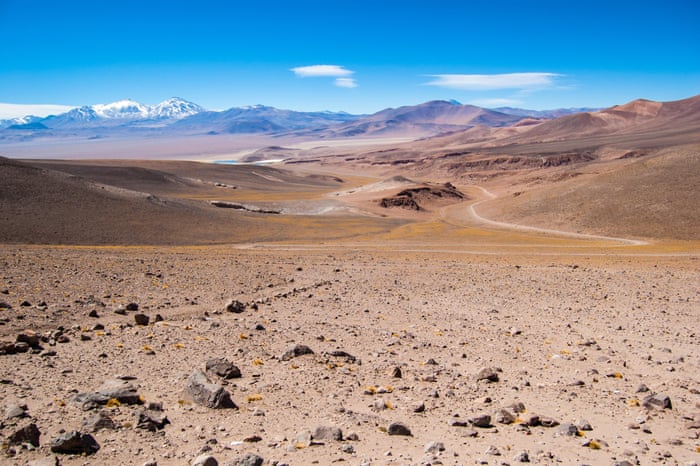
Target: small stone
x: 202, y: 391
x: 327, y: 433
x: 235, y: 306
x: 492, y: 450
x: 396, y: 372
x: 29, y: 337
x: 120, y: 310
x: 548, y: 422
x: 298, y: 350
x: 504, y: 416
x: 141, y: 319
x: 583, y: 424
x: 522, y: 457
x: 98, y: 421
x: 347, y: 448
x: 75, y: 443
x: 151, y: 420
x: 249, y: 459
x: 397, y: 428
x: 28, y: 433
x: 657, y: 401
x: 132, y: 307
x: 567, y: 430
x: 303, y: 438
x: 419, y: 408
x: 93, y: 313
x: 490, y: 374
x: 642, y: 388
x: 482, y: 420
x: 205, y: 460
x: 223, y: 368
x: 434, y: 447
x: 16, y: 411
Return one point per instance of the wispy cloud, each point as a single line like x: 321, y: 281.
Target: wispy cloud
x: 340, y: 74
x: 345, y: 82
x: 315, y: 71
x: 489, y: 82
x: 8, y: 111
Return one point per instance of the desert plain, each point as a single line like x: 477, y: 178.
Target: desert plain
x: 454, y: 300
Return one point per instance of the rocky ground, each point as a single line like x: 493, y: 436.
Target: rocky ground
x: 222, y: 355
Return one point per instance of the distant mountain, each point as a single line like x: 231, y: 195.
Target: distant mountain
x: 548, y: 114
x: 21, y: 121
x: 122, y: 113
x: 427, y: 119
x: 261, y: 119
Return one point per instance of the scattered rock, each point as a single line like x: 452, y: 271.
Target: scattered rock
x: 249, y: 459
x: 205, y: 460
x: 222, y: 368
x: 548, y: 421
x: 396, y: 372
x: 141, y: 319
x: 419, y: 408
x: 490, y: 374
x: 504, y: 416
x: 75, y: 443
x: 132, y: 307
x: 434, y: 447
x: 235, y: 306
x: 117, y: 389
x: 482, y: 420
x: 202, y: 391
x: 28, y: 433
x: 397, y: 428
x: 522, y: 457
x: 584, y: 425
x: 303, y: 439
x: 327, y: 433
x: 16, y: 411
x: 657, y: 401
x: 298, y: 350
x: 98, y: 421
x: 567, y: 430
x: 151, y: 420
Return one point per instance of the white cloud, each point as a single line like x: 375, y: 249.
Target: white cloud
x: 8, y: 111
x: 345, y: 82
x: 488, y: 82
x: 315, y: 71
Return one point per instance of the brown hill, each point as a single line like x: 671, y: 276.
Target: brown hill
x: 101, y: 206
x: 654, y: 197
x: 426, y: 119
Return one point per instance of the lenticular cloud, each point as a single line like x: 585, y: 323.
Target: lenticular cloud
x: 314, y: 71
x: 481, y: 82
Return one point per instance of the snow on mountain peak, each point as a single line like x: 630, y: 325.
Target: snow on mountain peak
x: 122, y: 109
x: 173, y: 108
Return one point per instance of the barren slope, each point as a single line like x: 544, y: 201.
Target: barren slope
x: 655, y: 197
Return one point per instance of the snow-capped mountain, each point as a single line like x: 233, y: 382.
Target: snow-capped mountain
x: 25, y: 120
x: 175, y: 108
x: 126, y: 109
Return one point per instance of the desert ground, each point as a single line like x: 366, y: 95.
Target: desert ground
x: 355, y: 305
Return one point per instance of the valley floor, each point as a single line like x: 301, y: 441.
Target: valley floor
x: 572, y: 334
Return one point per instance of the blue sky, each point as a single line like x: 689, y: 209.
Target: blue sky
x: 358, y: 56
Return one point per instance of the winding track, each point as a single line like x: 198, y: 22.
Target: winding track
x: 474, y: 216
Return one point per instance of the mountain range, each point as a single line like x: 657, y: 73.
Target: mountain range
x: 179, y: 116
